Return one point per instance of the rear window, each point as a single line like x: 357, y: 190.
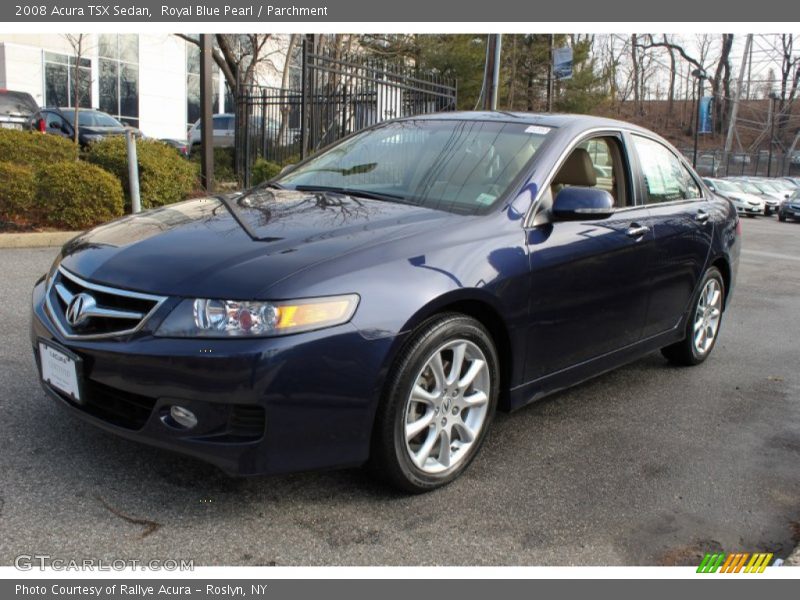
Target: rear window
x: 19, y: 104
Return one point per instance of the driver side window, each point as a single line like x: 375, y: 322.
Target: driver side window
x: 596, y: 162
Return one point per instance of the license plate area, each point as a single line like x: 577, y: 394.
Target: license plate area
x: 61, y: 369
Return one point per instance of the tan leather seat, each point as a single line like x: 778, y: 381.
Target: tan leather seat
x: 577, y: 170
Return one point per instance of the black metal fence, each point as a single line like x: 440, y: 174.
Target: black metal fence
x: 338, y: 96
x: 717, y: 164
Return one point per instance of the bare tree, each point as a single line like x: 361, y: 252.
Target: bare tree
x: 672, y: 75
x: 287, y: 66
x: 789, y: 82
x: 238, y: 56
x: 77, y: 41
x: 635, y: 72
x: 721, y: 83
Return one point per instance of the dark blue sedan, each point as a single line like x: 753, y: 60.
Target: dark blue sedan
x: 379, y: 301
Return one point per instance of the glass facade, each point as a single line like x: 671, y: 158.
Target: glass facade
x: 118, y: 76
x: 59, y: 80
x: 193, y: 85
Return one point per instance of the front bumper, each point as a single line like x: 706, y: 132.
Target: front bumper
x: 790, y: 211
x: 750, y: 210
x: 268, y: 405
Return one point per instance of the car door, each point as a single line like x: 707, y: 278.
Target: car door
x: 681, y: 222
x: 55, y: 124
x: 589, y: 279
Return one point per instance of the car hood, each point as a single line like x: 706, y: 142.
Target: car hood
x: 238, y: 246
x: 751, y: 198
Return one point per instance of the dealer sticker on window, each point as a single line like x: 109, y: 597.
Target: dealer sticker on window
x: 537, y: 129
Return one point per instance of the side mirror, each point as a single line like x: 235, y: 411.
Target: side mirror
x: 576, y: 203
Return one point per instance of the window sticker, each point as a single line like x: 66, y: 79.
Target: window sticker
x: 485, y: 199
x: 537, y: 129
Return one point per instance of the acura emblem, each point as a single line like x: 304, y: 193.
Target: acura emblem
x: 80, y: 308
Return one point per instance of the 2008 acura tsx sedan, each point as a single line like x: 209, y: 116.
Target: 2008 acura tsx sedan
x: 376, y: 303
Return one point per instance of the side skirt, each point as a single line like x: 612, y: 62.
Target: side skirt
x: 544, y: 386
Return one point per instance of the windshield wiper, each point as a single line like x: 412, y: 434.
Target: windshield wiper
x: 354, y: 192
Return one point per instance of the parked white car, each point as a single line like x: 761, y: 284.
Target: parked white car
x: 771, y: 196
x: 224, y: 132
x: 745, y: 203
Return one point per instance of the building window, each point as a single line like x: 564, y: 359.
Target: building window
x: 296, y: 68
x: 118, y: 76
x: 59, y: 80
x: 193, y: 84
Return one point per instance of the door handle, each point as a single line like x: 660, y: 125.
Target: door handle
x: 701, y: 216
x: 636, y: 231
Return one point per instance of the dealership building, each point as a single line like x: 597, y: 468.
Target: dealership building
x: 151, y: 81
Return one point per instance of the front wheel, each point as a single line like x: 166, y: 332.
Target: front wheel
x: 702, y: 326
x: 781, y: 217
x: 439, y: 402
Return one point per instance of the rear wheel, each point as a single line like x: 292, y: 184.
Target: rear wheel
x: 702, y: 326
x: 438, y: 405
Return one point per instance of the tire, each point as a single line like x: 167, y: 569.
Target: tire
x: 781, y: 217
x: 424, y: 407
x: 751, y: 215
x: 695, y: 348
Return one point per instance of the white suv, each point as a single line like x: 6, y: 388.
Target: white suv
x: 224, y: 132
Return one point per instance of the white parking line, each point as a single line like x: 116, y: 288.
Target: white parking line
x: 771, y: 254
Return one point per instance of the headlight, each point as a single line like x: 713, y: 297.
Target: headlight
x: 235, y: 318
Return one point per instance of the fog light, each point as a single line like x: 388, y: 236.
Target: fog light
x: 183, y: 416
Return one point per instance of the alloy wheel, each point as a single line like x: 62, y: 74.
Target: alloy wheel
x: 447, y: 407
x: 707, y: 316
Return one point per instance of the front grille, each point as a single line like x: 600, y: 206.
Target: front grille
x: 114, y: 406
x: 86, y: 310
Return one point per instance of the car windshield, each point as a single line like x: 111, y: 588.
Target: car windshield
x: 747, y: 187
x: 454, y: 165
x: 91, y: 118
x: 765, y: 187
x: 725, y: 186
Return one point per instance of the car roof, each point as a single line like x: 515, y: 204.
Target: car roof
x: 544, y: 119
x: 72, y: 109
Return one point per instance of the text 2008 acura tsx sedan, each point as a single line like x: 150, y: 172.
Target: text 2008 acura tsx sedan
x: 378, y: 302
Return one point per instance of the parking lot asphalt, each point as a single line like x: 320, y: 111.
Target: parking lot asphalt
x: 648, y: 465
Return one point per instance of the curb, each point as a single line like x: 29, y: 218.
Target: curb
x: 42, y: 239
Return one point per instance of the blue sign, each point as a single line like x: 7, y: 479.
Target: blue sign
x: 562, y: 63
x: 705, y: 114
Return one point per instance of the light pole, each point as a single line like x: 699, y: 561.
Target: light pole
x: 773, y: 96
x: 700, y: 75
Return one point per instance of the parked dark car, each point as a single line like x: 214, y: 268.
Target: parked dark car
x: 181, y: 146
x: 16, y: 108
x: 93, y: 124
x: 377, y: 302
x: 790, y: 208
